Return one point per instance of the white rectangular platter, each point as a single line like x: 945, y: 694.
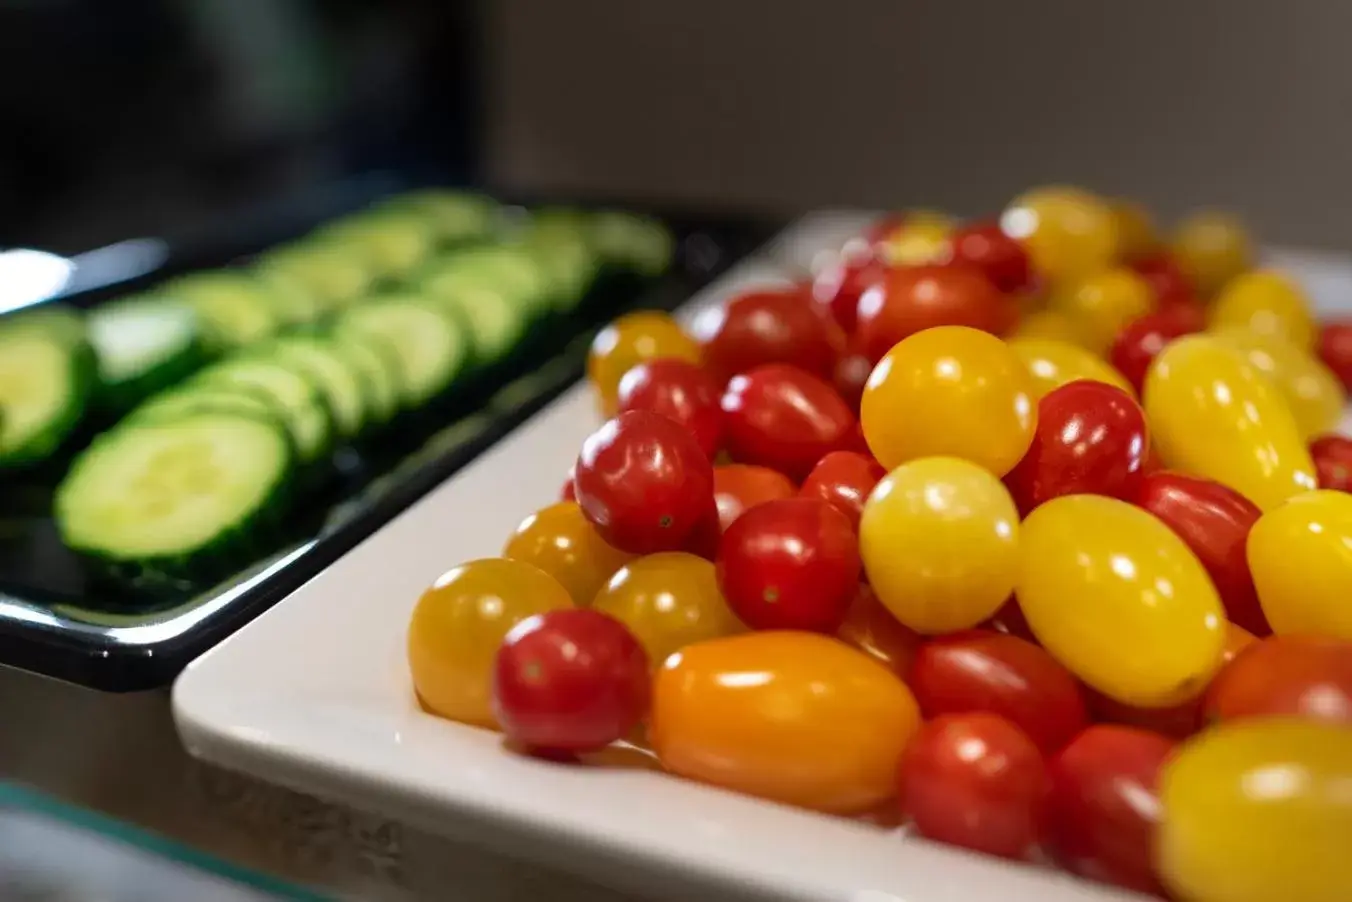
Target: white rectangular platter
x: 315, y: 695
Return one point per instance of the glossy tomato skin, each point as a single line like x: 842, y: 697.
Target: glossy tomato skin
x: 643, y: 482
x: 1068, y: 232
x: 768, y: 326
x: 1167, y: 280
x: 838, y: 287
x: 1300, y: 555
x: 1268, y: 303
x: 1334, y: 347
x: 560, y: 541
x: 793, y: 717
x: 1052, y: 363
x: 1214, y: 522
x: 1137, y: 345
x: 1090, y: 439
x: 740, y: 487
x: 1100, y: 305
x: 1286, y: 676
x: 1332, y: 456
x: 975, y: 781
x: 630, y: 340
x: 1002, y: 260
x: 784, y: 418
x: 981, y: 670
x: 1104, y: 808
x: 681, y: 392
x: 872, y: 629
x: 911, y: 299
x: 844, y: 479
x: 790, y: 564
x: 570, y: 681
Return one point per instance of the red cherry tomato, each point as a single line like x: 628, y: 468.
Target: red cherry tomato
x: 680, y: 391
x: 985, y: 248
x: 707, y: 533
x: 1171, y: 285
x: 912, y: 299
x: 568, y: 493
x: 872, y: 628
x: 1332, y: 456
x: 975, y: 781
x: 570, y: 681
x: 791, y: 564
x: 740, y: 487
x: 762, y: 327
x: 838, y: 287
x: 1214, y: 521
x: 785, y: 418
x: 1137, y: 345
x: 1105, y: 806
x: 852, y: 372
x: 643, y: 482
x: 980, y: 670
x: 1280, y: 676
x: 843, y: 479
x: 1090, y: 440
x: 1335, y: 349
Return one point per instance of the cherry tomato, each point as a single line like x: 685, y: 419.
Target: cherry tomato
x: 872, y: 629
x: 915, y: 238
x: 1212, y: 248
x: 567, y: 492
x: 1100, y: 305
x: 560, y: 541
x: 939, y: 538
x: 1214, y: 415
x: 793, y: 717
x: 740, y: 487
x: 630, y: 340
x: 844, y: 480
x: 981, y: 670
x: 1068, y: 233
x: 1286, y: 676
x: 1154, y: 634
x: 1166, y: 278
x: 838, y: 287
x: 1090, y: 439
x: 784, y: 418
x: 1214, y: 522
x: 1313, y: 393
x: 912, y: 299
x: 570, y: 681
x: 1258, y: 811
x: 768, y: 326
x: 1001, y: 259
x: 851, y: 375
x: 1334, y: 347
x: 680, y: 391
x: 668, y: 601
x: 707, y: 533
x: 1136, y: 235
x: 949, y: 391
x: 1105, y: 807
x: 975, y: 781
x: 1141, y: 341
x: 790, y: 564
x: 1301, y: 557
x: 644, y: 482
x: 1051, y: 364
x: 1332, y: 456
x: 458, y: 625
x: 1050, y: 325
x: 1267, y: 303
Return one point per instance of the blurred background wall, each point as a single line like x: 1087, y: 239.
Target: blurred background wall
x: 786, y: 104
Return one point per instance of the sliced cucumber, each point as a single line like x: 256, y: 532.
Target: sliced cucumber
x: 234, y: 309
x: 634, y: 242
x: 298, y: 400
x: 394, y: 242
x: 334, y: 276
x: 177, y: 495
x: 496, y: 325
x: 457, y: 217
x: 45, y: 385
x: 143, y: 345
x: 295, y: 302
x: 511, y: 269
x: 343, y: 383
x: 61, y: 322
x: 378, y: 362
x: 199, y: 396
x: 569, y: 260
x: 432, y: 348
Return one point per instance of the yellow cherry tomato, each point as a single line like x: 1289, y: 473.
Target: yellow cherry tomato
x: 1269, y: 304
x: 562, y: 542
x: 1259, y: 811
x: 1136, y: 234
x: 920, y: 237
x: 1101, y: 304
x: 627, y: 342
x: 1069, y: 233
x: 939, y: 538
x: 668, y: 601
x: 1050, y: 324
x: 949, y: 391
x: 1212, y: 248
x: 1119, y: 599
x: 1052, y: 364
x: 1214, y: 415
x: 1312, y: 391
x: 1301, y: 558
x: 793, y: 717
x: 458, y: 625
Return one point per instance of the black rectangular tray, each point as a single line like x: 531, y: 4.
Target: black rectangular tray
x: 55, y: 621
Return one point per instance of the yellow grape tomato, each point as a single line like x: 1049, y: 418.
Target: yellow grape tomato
x: 1069, y: 233
x: 1052, y: 364
x: 1100, y: 305
x: 1136, y: 234
x: 562, y: 542
x: 1311, y: 390
x: 1301, y: 557
x: 1212, y: 247
x: 1268, y: 303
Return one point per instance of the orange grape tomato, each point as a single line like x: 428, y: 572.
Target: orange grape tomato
x: 793, y: 717
x: 630, y: 340
x: 875, y: 631
x: 458, y: 625
x: 1070, y: 233
x: 560, y: 541
x: 1269, y: 304
x: 1300, y: 555
x: 1212, y: 248
x: 1052, y: 364
x: 668, y: 601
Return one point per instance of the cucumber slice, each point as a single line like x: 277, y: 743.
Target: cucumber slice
x: 343, y: 384
x: 634, y: 242
x: 432, y: 348
x: 333, y: 275
x: 143, y: 345
x: 510, y: 268
x: 569, y: 260
x: 456, y: 217
x: 393, y: 242
x: 379, y: 365
x: 294, y: 301
x: 298, y: 400
x: 174, y: 495
x: 233, y: 308
x: 202, y: 397
x: 66, y: 324
x: 495, y: 324
x: 45, y: 385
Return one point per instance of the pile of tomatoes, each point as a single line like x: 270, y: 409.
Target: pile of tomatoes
x: 1030, y: 533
